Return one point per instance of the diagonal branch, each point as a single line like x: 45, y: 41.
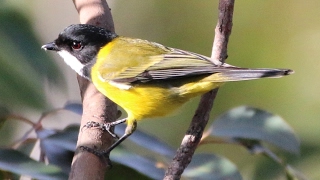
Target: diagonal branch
x: 200, y: 119
x: 96, y: 107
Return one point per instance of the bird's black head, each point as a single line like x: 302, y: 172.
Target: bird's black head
x: 79, y: 44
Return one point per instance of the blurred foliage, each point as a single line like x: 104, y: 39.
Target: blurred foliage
x: 23, y: 66
x: 4, y: 112
x: 252, y: 123
x: 17, y: 162
x: 58, y: 147
x: 265, y: 34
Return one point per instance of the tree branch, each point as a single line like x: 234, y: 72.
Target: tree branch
x: 96, y: 107
x: 200, y: 119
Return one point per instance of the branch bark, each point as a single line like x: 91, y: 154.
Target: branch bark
x: 200, y: 119
x: 96, y: 107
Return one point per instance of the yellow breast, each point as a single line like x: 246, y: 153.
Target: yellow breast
x: 142, y: 100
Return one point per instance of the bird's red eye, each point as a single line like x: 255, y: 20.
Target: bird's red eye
x: 76, y: 45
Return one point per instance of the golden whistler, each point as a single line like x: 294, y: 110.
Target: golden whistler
x: 145, y: 78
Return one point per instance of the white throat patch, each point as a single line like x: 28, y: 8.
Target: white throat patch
x: 72, y: 61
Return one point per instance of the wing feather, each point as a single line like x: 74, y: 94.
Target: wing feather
x: 128, y: 61
x: 173, y: 64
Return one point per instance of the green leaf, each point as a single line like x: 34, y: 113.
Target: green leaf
x: 141, y: 164
x: 74, y: 107
x: 59, y: 146
x: 20, y: 32
x: 117, y: 173
x: 27, y: 146
x: 252, y: 123
x: 293, y: 174
x: 266, y: 169
x: 23, y: 65
x: 8, y: 175
x: 66, y: 138
x: 209, y: 166
x: 19, y: 163
x: 4, y: 112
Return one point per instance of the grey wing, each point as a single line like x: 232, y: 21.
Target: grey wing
x: 177, y: 64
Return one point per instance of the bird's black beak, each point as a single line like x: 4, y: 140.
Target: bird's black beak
x: 50, y: 46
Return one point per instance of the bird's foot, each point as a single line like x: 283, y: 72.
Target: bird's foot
x: 103, y: 155
x: 103, y: 126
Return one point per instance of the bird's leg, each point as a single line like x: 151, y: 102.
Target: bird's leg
x: 129, y: 130
x: 104, y: 155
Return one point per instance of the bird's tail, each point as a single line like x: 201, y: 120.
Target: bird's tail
x: 242, y: 74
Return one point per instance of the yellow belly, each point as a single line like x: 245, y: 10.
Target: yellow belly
x: 148, y: 100
x: 143, y: 102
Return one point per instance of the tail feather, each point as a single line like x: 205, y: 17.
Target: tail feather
x: 242, y: 74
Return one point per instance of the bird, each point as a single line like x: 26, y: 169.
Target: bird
x: 145, y: 78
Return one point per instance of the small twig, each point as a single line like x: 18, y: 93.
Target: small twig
x: 35, y: 126
x: 23, y: 138
x: 200, y: 119
x: 20, y: 118
x: 49, y: 113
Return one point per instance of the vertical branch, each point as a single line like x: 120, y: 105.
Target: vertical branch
x: 223, y: 30
x: 200, y: 119
x: 96, y: 107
